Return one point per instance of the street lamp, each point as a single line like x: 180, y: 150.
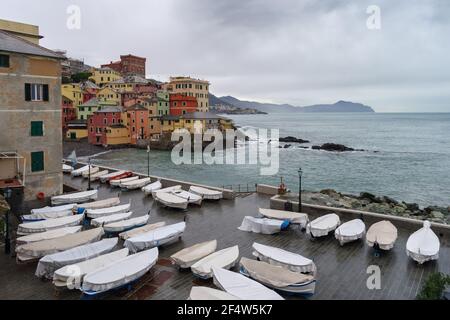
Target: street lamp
x: 7, y: 194
x: 300, y: 172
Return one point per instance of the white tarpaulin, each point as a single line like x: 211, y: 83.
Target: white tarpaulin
x: 155, y: 237
x: 47, y: 235
x: 205, y: 293
x: 189, y: 196
x: 118, y: 182
x: 207, y: 194
x: 77, y: 197
x: 293, y: 217
x: 242, y: 287
x: 67, y: 168
x: 105, y: 203
x: 103, y: 212
x: 93, y: 170
x: 323, y: 225
x: 169, y: 189
x: 46, y: 216
x: 49, y: 263
x: 279, y: 257
x: 135, y: 184
x: 350, y: 231
x: 188, y: 256
x: 105, y: 177
x: 79, y: 171
x: 148, y: 189
x: 225, y: 258
x: 126, y: 224
x: 50, y: 210
x: 171, y: 200
x: 423, y: 245
x: 110, y: 219
x: 261, y: 225
x: 135, y: 232
x: 382, y: 233
x: 47, y: 225
x: 120, y: 273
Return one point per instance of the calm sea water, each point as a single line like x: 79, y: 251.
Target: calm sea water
x: 412, y: 162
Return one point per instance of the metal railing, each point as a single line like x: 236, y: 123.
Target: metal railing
x: 241, y: 188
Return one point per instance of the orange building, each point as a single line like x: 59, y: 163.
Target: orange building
x: 138, y: 123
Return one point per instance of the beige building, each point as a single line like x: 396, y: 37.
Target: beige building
x: 25, y: 31
x: 190, y: 87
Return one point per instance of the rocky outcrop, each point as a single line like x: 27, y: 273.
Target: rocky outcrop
x: 334, y: 147
x: 291, y: 139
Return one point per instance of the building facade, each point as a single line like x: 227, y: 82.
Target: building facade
x: 138, y: 123
x: 100, y: 120
x: 163, y: 102
x: 102, y: 76
x: 187, y: 86
x: 181, y: 104
x: 69, y: 112
x: 128, y: 65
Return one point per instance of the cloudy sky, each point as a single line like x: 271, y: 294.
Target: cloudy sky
x: 285, y: 51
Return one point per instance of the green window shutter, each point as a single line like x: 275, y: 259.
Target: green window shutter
x: 27, y: 92
x: 37, y: 128
x: 45, y: 92
x: 37, y: 161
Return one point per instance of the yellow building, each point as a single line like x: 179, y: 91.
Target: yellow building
x: 195, y: 122
x: 117, y: 134
x: 109, y: 95
x: 170, y: 123
x: 127, y: 84
x: 76, y: 130
x: 73, y: 91
x: 102, y: 76
x: 190, y: 87
x: 25, y: 31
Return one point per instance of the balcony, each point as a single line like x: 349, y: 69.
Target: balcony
x: 12, y: 170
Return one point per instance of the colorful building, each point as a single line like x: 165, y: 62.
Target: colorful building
x: 180, y: 104
x: 138, y: 123
x: 100, y: 120
x: 109, y: 95
x: 76, y: 130
x: 102, y: 76
x: 163, y: 102
x: 117, y: 134
x: 25, y: 31
x: 190, y: 87
x: 74, y: 92
x: 88, y: 108
x: 170, y: 123
x: 69, y: 112
x: 128, y: 65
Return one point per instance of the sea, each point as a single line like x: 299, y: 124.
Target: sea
x: 406, y: 157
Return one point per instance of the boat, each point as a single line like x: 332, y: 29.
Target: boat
x: 350, y: 231
x: 66, y: 168
x: 49, y: 263
x: 47, y: 225
x: 188, y: 256
x: 120, y: 273
x: 148, y: 189
x: 205, y: 293
x: 156, y: 237
x: 189, y: 196
x: 47, y: 216
x: 78, y: 172
x: 323, y: 225
x: 423, y: 245
x: 43, y: 212
x: 242, y: 287
x: 277, y: 277
x: 113, y: 175
x: 85, y: 174
x: 225, y: 258
x: 286, y: 259
x: 47, y: 235
x: 263, y: 225
x: 168, y: 189
x: 127, y: 224
x: 97, y: 175
x: 170, y: 200
x: 382, y: 235
x: 76, y: 197
x: 117, y: 182
x: 135, y: 184
x: 71, y: 276
x: 97, y: 222
x: 36, y: 250
x: 103, y: 212
x: 137, y: 231
x: 292, y: 217
x: 100, y: 204
x: 207, y: 194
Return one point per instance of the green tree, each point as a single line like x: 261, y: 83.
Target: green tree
x: 82, y: 76
x: 434, y: 286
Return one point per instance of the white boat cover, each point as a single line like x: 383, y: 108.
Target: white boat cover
x: 137, y: 231
x: 286, y: 259
x: 189, y: 196
x: 79, y: 171
x: 48, y: 264
x: 188, y: 256
x: 98, y: 222
x: 77, y: 197
x: 168, y: 189
x: 273, y: 276
x: 170, y: 200
x: 206, y: 193
x: 126, y: 224
x: 72, y: 275
x: 225, y: 258
x: 148, y: 189
x: 41, y: 248
x: 118, y: 182
x: 292, y: 217
x: 121, y: 272
x: 46, y: 216
x: 350, y: 231
x: 98, y: 174
x: 45, y: 210
x: 323, y: 225
x: 423, y: 245
x: 67, y: 168
x: 261, y: 225
x: 110, y: 175
x: 47, y: 225
x: 242, y: 287
x: 135, y: 184
x: 155, y: 237
x: 93, y: 170
x: 47, y: 235
x: 383, y: 233
x: 103, y: 212
x: 205, y: 293
x: 100, y: 204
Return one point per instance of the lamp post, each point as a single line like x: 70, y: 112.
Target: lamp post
x: 148, y: 159
x: 7, y: 195
x: 89, y: 179
x: 300, y: 172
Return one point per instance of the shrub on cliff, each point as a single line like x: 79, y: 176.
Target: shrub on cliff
x: 434, y: 286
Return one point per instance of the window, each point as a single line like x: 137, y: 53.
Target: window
x: 37, y: 161
x: 4, y: 61
x: 36, y: 92
x: 37, y: 128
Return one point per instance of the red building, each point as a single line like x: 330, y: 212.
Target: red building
x: 69, y: 112
x: 181, y: 104
x: 128, y: 65
x: 100, y: 120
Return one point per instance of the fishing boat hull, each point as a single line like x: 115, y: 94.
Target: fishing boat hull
x: 262, y: 225
x: 350, y: 231
x: 382, y: 235
x: 117, y: 182
x: 77, y: 197
x: 423, y: 245
x: 103, y: 212
x: 225, y: 259
x: 187, y: 257
x: 323, y: 225
x: 113, y: 175
x: 126, y: 225
x: 206, y: 194
x: 155, y: 186
x: 170, y: 200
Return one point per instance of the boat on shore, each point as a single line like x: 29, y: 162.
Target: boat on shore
x: 66, y: 168
x: 350, y: 231
x: 382, y: 235
x: 148, y: 189
x: 186, y: 257
x: 51, y: 210
x: 112, y: 175
x: 189, y: 196
x: 206, y: 293
x: 321, y: 226
x: 168, y: 199
x: 292, y: 217
x: 97, y: 175
x: 225, y: 258
x: 47, y: 216
x: 47, y: 225
x: 117, y: 182
x: 168, y: 189
x: 135, y: 184
x: 85, y: 174
x: 100, y: 204
x: 78, y: 172
x: 423, y: 245
x: 103, y: 212
x: 98, y: 222
x: 128, y: 224
x: 75, y: 197
x: 141, y: 230
x: 47, y: 235
x: 263, y: 225
x: 205, y: 193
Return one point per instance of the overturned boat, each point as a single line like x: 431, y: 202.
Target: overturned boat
x: 76, y: 197
x: 141, y: 230
x: 350, y: 231
x: 168, y: 189
x: 78, y: 172
x: 128, y: 224
x: 188, y: 256
x: 205, y: 293
x: 100, y: 204
x: 47, y: 225
x: 205, y: 193
x: 103, y: 212
x: 225, y: 258
x: 292, y: 217
x: 323, y: 225
x: 49, y: 263
x: 382, y: 234
x: 168, y: 199
x: 85, y: 174
x: 135, y: 184
x: 117, y: 182
x: 156, y: 237
x: 47, y: 235
x: 242, y: 287
x: 277, y: 277
x: 423, y: 245
x: 98, y: 222
x: 189, y: 196
x: 148, y: 189
x: 263, y: 225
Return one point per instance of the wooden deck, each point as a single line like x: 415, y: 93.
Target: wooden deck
x: 342, y: 271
